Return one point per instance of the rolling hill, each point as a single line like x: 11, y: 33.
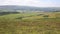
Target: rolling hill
x: 29, y: 8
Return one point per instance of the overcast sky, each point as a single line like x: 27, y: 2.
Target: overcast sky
x: 37, y: 3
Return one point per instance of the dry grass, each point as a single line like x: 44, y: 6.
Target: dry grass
x: 37, y: 25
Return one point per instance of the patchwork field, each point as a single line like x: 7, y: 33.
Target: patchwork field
x: 30, y: 23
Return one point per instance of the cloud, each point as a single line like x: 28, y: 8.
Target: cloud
x: 38, y: 3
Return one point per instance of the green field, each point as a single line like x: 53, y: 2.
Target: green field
x: 30, y: 23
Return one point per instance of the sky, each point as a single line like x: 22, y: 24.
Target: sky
x: 36, y: 3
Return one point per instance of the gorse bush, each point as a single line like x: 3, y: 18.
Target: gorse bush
x: 46, y: 16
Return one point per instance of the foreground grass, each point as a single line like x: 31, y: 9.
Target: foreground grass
x: 10, y: 25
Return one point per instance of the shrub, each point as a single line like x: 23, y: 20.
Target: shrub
x: 40, y: 14
x: 46, y: 16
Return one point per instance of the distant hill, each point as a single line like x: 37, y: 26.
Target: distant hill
x: 30, y: 8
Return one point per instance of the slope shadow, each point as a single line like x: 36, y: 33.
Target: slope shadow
x: 6, y: 13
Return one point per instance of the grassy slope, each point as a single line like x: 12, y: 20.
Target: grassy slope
x: 29, y: 25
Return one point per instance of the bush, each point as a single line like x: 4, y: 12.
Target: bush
x: 40, y: 14
x: 46, y: 16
